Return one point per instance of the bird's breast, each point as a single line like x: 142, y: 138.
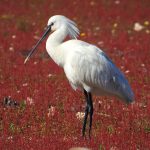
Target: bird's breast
x: 56, y: 55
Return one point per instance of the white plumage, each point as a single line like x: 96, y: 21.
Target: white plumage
x: 86, y: 66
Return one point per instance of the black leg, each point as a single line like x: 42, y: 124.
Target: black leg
x: 91, y: 113
x: 88, y: 110
x: 86, y: 113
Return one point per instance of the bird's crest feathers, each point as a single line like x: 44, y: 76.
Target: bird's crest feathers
x: 72, y: 29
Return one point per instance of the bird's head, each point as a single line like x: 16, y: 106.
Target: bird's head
x: 54, y: 23
x: 58, y: 21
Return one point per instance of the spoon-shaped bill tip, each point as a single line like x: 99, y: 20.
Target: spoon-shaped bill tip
x: 26, y: 60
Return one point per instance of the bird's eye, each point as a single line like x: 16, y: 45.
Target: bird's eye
x: 52, y: 23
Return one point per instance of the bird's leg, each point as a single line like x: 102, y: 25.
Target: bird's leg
x: 88, y: 110
x: 90, y: 105
x: 86, y: 113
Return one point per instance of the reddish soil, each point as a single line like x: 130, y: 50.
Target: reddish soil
x: 46, y: 117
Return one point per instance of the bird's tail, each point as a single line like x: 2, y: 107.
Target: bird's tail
x: 126, y: 92
x: 129, y: 98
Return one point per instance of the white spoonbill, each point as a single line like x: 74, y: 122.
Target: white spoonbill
x: 86, y: 66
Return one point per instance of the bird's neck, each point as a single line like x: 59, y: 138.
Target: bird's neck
x: 57, y: 37
x: 52, y: 44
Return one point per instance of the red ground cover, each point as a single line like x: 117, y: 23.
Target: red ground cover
x: 46, y: 117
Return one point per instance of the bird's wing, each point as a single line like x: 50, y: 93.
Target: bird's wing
x: 94, y: 68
